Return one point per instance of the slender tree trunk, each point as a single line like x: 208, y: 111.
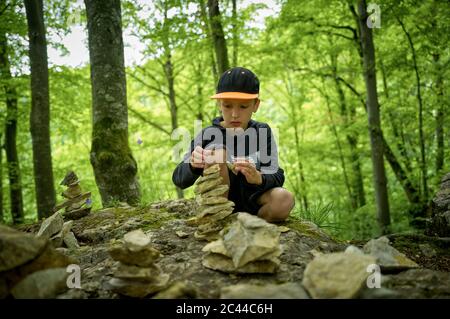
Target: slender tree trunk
x: 218, y: 37
x: 168, y: 72
x: 439, y: 116
x: 235, y: 34
x: 398, y: 138
x: 423, y: 163
x: 199, y: 89
x: 341, y: 153
x: 208, y: 32
x: 115, y: 168
x: 2, y: 219
x: 358, y: 195
x: 12, y: 159
x: 40, y: 109
x: 411, y: 192
x: 376, y: 137
x: 303, y: 191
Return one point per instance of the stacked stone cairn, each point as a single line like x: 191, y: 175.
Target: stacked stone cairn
x: 250, y: 245
x: 77, y: 203
x: 214, y: 209
x: 135, y: 274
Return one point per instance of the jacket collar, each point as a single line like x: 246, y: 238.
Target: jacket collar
x: 217, y: 120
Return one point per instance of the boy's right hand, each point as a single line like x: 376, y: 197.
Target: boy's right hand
x: 199, y: 156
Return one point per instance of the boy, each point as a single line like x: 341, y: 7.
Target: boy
x: 255, y: 181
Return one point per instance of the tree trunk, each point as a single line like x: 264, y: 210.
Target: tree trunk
x: 398, y: 138
x: 341, y: 153
x: 12, y: 159
x: 115, y: 168
x: 208, y: 32
x: 423, y: 163
x: 218, y: 37
x: 302, y: 182
x: 2, y: 220
x: 40, y: 109
x: 376, y: 138
x: 358, y: 198
x: 411, y: 192
x: 439, y: 116
x: 168, y: 72
x: 235, y: 34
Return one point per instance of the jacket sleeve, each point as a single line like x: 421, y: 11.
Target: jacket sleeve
x: 184, y: 174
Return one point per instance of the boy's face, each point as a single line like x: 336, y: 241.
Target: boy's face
x: 237, y: 113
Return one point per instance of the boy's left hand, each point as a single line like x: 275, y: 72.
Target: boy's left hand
x: 248, y: 169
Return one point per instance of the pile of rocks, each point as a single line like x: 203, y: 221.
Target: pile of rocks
x: 346, y: 274
x: 59, y: 232
x: 77, y: 203
x: 251, y: 245
x: 439, y: 223
x: 214, y: 208
x: 136, y: 274
x: 30, y: 267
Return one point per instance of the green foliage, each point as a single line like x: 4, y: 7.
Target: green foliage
x: 302, y: 55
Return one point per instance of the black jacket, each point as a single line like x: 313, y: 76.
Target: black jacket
x: 185, y: 175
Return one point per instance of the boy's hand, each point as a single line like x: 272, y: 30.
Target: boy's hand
x: 198, y: 157
x: 248, y: 169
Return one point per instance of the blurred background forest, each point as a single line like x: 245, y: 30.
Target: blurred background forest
x: 309, y: 59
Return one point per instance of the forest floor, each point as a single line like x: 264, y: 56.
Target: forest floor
x: 182, y: 256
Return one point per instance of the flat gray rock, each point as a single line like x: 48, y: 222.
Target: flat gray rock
x: 388, y: 258
x: 18, y: 248
x: 51, y: 226
x: 41, y: 284
x: 337, y: 275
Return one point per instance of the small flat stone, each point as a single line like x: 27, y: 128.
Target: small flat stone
x: 51, y: 226
x: 136, y: 240
x: 208, y: 177
x: 213, y: 209
x: 217, y: 216
x: 143, y: 274
x: 211, y: 200
x: 225, y: 264
x: 217, y: 191
x: 144, y: 257
x: 70, y: 241
x: 283, y: 229
x: 181, y: 234
x: 207, y: 186
x: 212, y: 169
x: 138, y: 289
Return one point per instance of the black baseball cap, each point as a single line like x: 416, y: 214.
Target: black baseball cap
x: 237, y: 83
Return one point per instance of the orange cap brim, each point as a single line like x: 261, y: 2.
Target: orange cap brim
x: 235, y: 95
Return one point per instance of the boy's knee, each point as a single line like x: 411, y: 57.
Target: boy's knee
x: 284, y: 202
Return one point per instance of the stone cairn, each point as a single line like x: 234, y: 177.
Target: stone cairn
x: 250, y: 245
x: 135, y: 273
x: 214, y: 208
x: 77, y: 203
